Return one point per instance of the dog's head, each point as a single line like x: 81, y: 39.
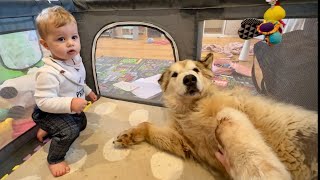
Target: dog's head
x: 188, y: 78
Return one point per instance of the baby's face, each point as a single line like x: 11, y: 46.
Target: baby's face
x: 63, y: 42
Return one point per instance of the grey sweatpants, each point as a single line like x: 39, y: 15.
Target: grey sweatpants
x: 64, y: 130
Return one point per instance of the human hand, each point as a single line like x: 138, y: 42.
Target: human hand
x: 222, y: 156
x: 93, y: 97
x: 78, y: 104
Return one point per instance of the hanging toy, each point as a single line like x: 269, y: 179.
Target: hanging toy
x: 248, y: 28
x: 272, y: 24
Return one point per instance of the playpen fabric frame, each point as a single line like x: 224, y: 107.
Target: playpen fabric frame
x: 182, y: 20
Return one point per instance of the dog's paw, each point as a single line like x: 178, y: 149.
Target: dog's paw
x: 125, y: 139
x: 233, y: 116
x: 225, y: 125
x: 131, y: 136
x: 231, y: 124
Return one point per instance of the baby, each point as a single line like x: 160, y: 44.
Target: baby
x: 60, y: 86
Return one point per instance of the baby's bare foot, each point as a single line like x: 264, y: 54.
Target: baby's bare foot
x: 41, y: 134
x: 59, y: 169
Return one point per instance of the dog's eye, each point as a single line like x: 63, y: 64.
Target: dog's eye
x: 174, y: 74
x: 196, y: 70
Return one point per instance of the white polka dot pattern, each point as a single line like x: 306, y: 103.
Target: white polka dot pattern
x: 138, y: 116
x: 166, y: 167
x: 113, y: 154
x: 105, y: 108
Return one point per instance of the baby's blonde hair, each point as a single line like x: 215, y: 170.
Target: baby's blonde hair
x: 56, y: 16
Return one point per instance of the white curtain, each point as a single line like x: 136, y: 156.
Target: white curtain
x: 293, y: 24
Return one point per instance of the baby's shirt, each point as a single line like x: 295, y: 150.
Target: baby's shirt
x: 58, y: 82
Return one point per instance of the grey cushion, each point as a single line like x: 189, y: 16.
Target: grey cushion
x: 290, y: 69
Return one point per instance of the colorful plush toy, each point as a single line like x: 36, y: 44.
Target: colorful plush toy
x: 270, y: 27
x: 272, y: 24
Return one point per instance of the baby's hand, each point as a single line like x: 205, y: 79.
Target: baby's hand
x: 78, y: 104
x: 92, y: 96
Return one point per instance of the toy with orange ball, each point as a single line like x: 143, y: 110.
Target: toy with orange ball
x: 272, y: 24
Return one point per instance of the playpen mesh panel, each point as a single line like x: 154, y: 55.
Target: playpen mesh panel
x: 111, y: 70
x: 290, y: 69
x: 20, y: 50
x: 16, y: 106
x: 19, y: 54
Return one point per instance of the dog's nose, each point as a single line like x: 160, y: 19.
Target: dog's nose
x: 190, y: 80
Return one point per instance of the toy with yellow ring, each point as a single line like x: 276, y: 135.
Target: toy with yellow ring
x: 273, y: 36
x: 272, y: 24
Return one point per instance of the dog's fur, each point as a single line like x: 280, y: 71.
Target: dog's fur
x: 195, y: 105
x: 252, y: 159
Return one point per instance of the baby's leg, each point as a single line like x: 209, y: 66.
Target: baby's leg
x: 81, y: 119
x: 38, y: 117
x: 41, y: 134
x: 64, y: 129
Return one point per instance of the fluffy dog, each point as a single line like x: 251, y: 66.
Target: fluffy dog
x: 194, y: 104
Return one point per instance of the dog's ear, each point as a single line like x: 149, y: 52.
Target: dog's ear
x: 163, y: 80
x: 160, y: 80
x: 207, y: 61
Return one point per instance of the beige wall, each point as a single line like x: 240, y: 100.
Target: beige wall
x: 231, y: 26
x: 214, y: 24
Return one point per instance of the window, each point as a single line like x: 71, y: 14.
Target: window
x: 129, y: 60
